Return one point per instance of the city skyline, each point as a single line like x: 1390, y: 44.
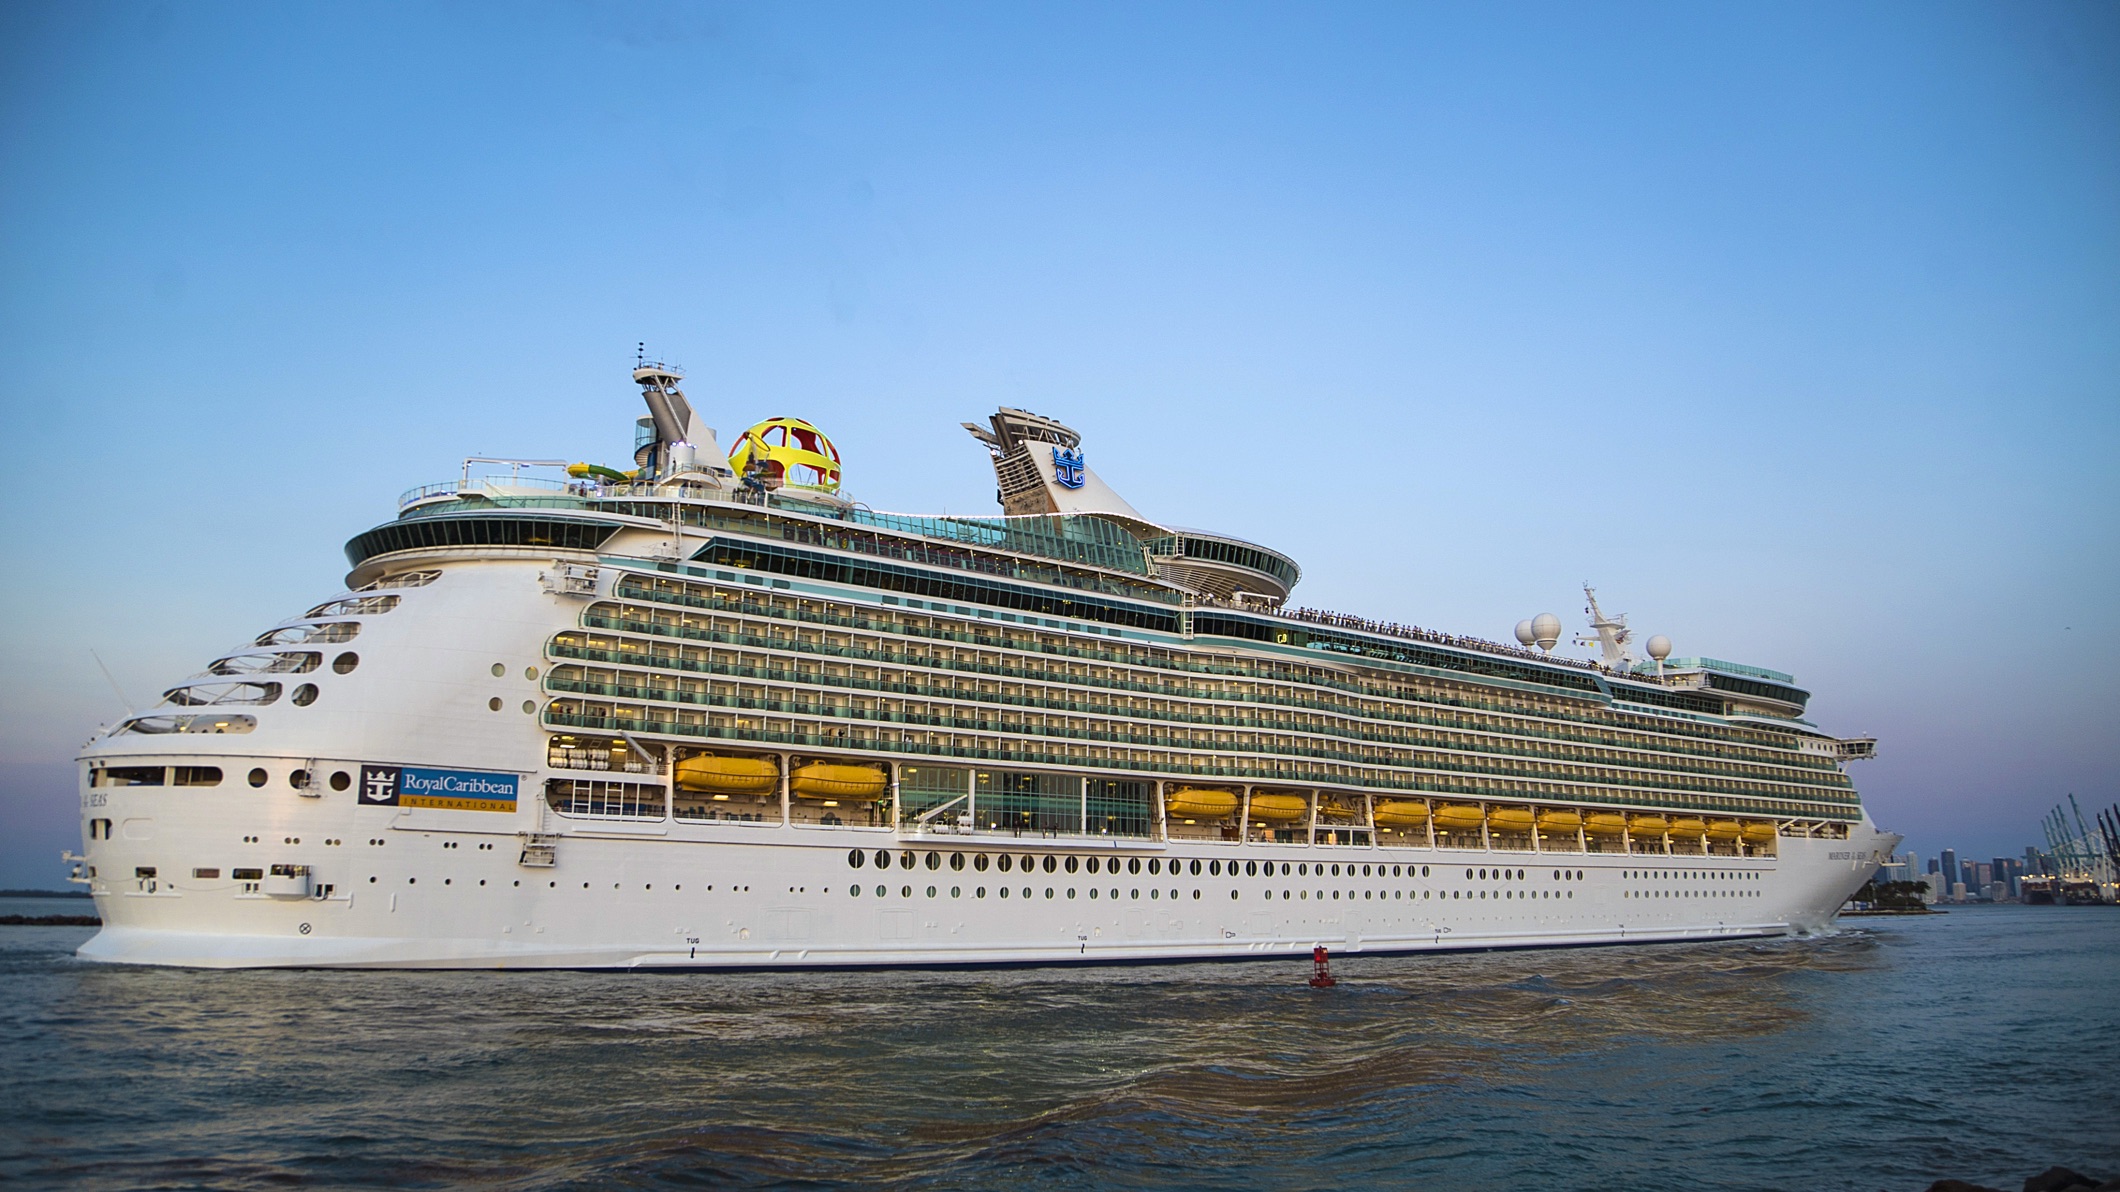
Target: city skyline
x: 1788, y: 329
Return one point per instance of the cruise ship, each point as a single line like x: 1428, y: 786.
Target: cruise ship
x: 706, y: 711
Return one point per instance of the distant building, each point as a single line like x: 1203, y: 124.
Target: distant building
x: 1997, y: 891
x: 1957, y: 891
x: 1951, y: 876
x: 1932, y: 881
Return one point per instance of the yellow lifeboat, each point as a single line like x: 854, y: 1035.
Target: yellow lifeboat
x: 728, y: 775
x: 1725, y: 830
x: 1648, y: 825
x: 1759, y: 832
x: 830, y: 780
x: 1560, y: 821
x: 1510, y: 819
x: 1459, y: 817
x: 1401, y: 813
x: 1686, y: 825
x: 1279, y: 809
x: 1196, y: 803
x: 1604, y: 823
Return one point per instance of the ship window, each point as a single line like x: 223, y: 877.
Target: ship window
x: 247, y: 875
x: 305, y: 695
x: 302, y: 635
x: 298, y: 779
x: 934, y: 860
x: 353, y: 606
x: 131, y: 776
x: 500, y: 669
x: 856, y: 858
x: 979, y: 862
x: 494, y: 704
x: 198, y: 776
x: 1154, y: 865
x: 1092, y: 863
x: 340, y: 780
x: 1196, y: 867
x: 294, y: 662
x: 1005, y: 862
x: 1133, y: 864
x: 905, y: 860
x: 199, y: 695
x: 345, y: 663
x: 258, y: 776
x: 1251, y: 869
x: 206, y: 874
x: 1051, y: 863
x: 956, y: 862
x: 403, y: 579
x: 594, y: 799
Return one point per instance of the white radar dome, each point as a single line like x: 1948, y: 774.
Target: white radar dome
x: 1546, y: 630
x: 1659, y: 647
x: 1523, y: 632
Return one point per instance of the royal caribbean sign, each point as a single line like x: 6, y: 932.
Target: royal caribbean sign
x: 453, y: 790
x: 1067, y: 467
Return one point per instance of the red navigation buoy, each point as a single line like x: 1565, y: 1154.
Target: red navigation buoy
x: 1321, y: 975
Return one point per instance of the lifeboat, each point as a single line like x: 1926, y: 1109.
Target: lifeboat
x: 1510, y: 819
x: 1278, y: 809
x: 1560, y: 821
x: 1725, y: 830
x: 1195, y: 803
x: 1401, y: 813
x: 830, y: 780
x: 1686, y: 825
x: 1759, y: 832
x: 1604, y: 823
x: 1648, y: 825
x: 728, y: 775
x: 1459, y: 817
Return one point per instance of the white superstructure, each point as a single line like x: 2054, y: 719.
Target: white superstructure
x: 713, y: 714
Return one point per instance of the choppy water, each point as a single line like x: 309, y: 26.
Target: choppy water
x: 1983, y: 1044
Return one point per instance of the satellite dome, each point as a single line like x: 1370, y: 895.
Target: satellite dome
x: 1523, y: 632
x: 1546, y: 630
x: 792, y: 454
x: 1659, y: 647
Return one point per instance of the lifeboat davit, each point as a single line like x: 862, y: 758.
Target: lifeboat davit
x: 831, y: 780
x: 1686, y: 825
x: 1510, y: 819
x: 1648, y: 825
x: 1459, y: 817
x: 1725, y: 830
x: 1401, y: 813
x: 1198, y: 803
x: 1278, y: 809
x: 1560, y: 821
x: 1759, y: 832
x: 728, y: 775
x: 1604, y: 823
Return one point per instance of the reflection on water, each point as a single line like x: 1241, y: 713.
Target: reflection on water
x: 1713, y: 1065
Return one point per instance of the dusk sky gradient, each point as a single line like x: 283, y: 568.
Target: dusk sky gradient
x: 1795, y: 328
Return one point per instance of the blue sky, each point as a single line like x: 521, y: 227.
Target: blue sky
x: 1795, y: 328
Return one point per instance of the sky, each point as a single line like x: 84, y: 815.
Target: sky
x: 1795, y: 328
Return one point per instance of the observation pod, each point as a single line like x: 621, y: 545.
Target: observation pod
x: 788, y: 453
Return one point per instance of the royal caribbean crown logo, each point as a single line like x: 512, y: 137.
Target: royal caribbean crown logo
x: 1067, y: 467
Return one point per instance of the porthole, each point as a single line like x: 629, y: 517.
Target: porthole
x: 883, y: 859
x: 1195, y: 867
x: 1091, y: 864
x: 1335, y: 871
x: 530, y: 673
x: 1051, y: 863
x: 934, y: 861
x: 1154, y: 865
x: 979, y: 863
x: 258, y: 776
x: 1133, y: 864
x: 345, y: 663
x: 305, y: 695
x: 1251, y: 869
x: 905, y: 860
x: 856, y: 858
x: 1072, y: 864
x: 1424, y: 871
x: 494, y: 704
x: 340, y: 780
x: 1004, y: 862
x: 299, y: 780
x: 529, y: 707
x: 1214, y: 869
x: 956, y: 862
x: 499, y: 669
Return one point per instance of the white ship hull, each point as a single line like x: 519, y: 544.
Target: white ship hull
x: 734, y: 897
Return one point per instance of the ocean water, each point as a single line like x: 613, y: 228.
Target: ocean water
x: 1983, y: 1044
